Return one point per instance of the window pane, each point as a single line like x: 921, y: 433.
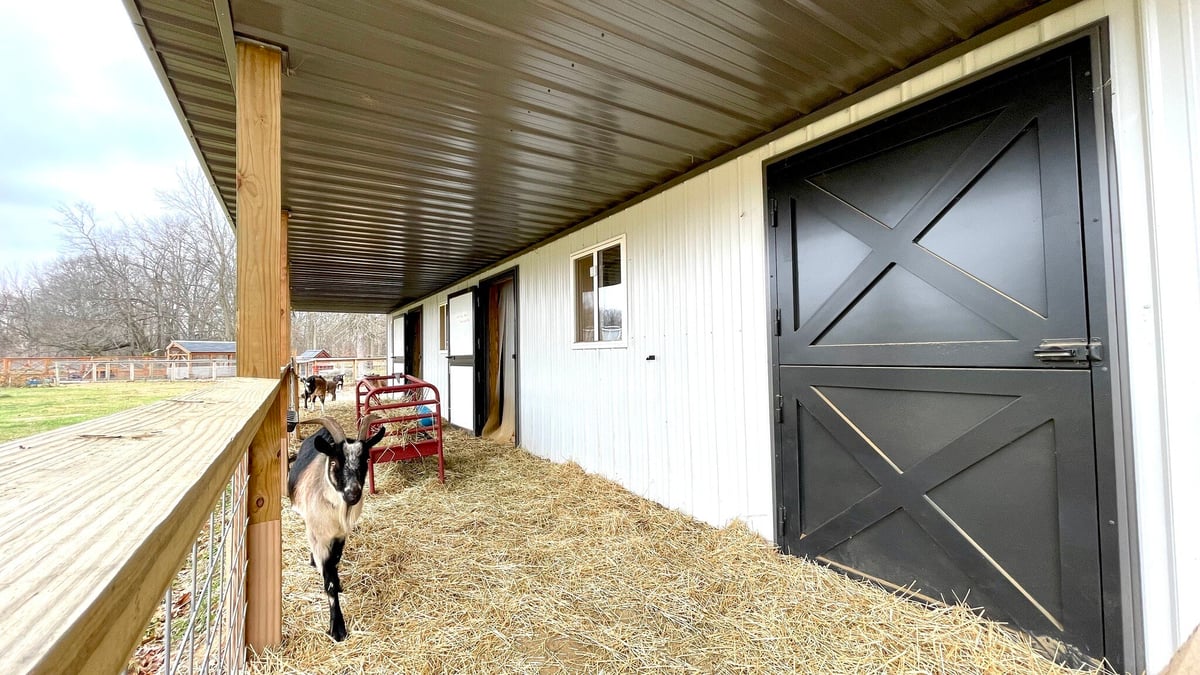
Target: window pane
x: 610, y: 266
x: 585, y: 325
x: 612, y: 294
x: 443, y: 338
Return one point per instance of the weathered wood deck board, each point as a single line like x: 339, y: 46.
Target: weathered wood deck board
x: 97, y: 517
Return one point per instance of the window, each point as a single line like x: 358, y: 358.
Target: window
x: 598, y: 294
x: 443, y: 324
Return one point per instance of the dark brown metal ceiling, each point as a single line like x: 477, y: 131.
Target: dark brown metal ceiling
x: 423, y: 141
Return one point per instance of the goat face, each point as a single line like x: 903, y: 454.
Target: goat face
x: 346, y: 468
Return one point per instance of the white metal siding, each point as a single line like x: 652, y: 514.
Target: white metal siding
x: 692, y: 428
x: 1166, y: 319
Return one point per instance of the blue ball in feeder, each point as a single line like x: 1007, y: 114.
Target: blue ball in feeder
x: 424, y: 410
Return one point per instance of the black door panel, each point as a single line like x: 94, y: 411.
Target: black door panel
x: 972, y: 260
x: 919, y: 264
x: 987, y: 469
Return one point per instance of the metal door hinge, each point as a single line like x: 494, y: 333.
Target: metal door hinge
x: 774, y: 212
x: 779, y: 408
x: 1070, y: 350
x: 782, y: 518
x: 778, y: 323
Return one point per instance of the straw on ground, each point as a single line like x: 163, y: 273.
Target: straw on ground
x: 517, y: 564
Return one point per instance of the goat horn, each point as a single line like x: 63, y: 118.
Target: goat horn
x: 330, y: 424
x: 364, y: 425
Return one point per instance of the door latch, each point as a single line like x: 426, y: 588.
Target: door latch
x: 1060, y: 350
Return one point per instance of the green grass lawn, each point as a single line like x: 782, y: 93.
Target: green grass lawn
x: 24, y: 412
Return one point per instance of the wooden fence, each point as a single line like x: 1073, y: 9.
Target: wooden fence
x: 353, y: 369
x: 50, y: 371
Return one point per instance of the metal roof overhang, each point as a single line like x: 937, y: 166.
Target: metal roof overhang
x: 424, y: 141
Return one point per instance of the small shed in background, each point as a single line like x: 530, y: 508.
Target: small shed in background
x: 311, y: 363
x: 309, y: 354
x: 192, y: 350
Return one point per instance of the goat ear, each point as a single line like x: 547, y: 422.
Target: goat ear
x: 370, y: 442
x: 322, y: 444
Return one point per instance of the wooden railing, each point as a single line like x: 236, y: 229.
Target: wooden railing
x: 98, y: 517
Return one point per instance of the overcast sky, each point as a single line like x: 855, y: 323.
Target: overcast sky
x: 83, y: 119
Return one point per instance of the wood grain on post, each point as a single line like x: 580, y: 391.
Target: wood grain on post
x: 262, y: 318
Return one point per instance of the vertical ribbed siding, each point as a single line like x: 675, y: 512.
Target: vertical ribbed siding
x: 689, y: 429
x: 692, y: 428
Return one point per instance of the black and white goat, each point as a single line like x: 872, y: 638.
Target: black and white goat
x: 336, y: 382
x: 315, y: 388
x: 325, y: 485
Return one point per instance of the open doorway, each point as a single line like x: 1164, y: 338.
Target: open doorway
x: 497, y: 417
x: 413, y: 358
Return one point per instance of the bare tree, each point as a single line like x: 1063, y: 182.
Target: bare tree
x: 128, y: 286
x: 349, y: 335
x: 209, y: 231
x: 17, y: 302
x: 103, y: 275
x: 132, y: 286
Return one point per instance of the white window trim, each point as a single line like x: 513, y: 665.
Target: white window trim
x: 395, y: 346
x: 616, y: 344
x: 446, y: 306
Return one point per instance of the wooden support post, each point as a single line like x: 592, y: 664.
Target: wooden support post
x: 285, y: 343
x: 261, y: 318
x: 294, y: 402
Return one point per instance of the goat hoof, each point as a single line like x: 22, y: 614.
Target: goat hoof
x: 338, y: 633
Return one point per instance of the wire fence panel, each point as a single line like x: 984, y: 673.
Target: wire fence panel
x: 201, y: 628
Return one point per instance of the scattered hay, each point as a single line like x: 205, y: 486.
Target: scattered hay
x: 517, y: 564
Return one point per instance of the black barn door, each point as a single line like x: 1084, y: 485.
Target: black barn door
x: 933, y: 350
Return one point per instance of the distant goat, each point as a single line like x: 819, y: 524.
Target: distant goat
x: 315, y: 388
x: 335, y: 383
x: 328, y: 496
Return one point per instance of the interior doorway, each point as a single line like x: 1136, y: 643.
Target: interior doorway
x: 413, y: 357
x: 497, y: 398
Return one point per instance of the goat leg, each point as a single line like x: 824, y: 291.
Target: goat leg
x: 333, y: 586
